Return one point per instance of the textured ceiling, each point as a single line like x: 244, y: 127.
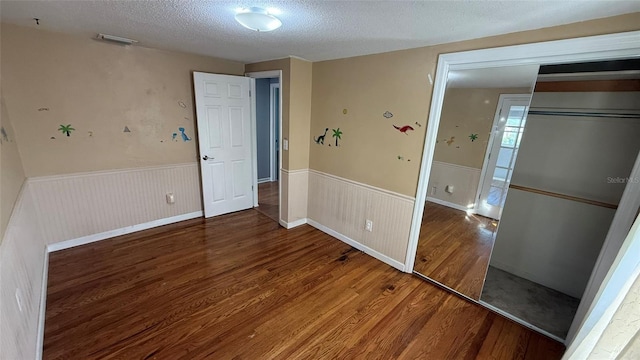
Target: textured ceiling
x: 313, y: 30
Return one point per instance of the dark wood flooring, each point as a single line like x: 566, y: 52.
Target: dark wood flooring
x: 239, y: 286
x: 454, y: 248
x: 269, y: 200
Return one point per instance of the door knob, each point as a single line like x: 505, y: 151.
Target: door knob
x: 206, y: 158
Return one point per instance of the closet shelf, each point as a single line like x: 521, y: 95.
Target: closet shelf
x: 563, y: 196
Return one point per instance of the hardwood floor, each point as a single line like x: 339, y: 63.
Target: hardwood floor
x: 454, y: 248
x: 268, y: 199
x: 239, y: 286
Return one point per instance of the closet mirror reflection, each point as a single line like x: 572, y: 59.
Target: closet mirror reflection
x: 530, y: 168
x: 574, y: 164
x: 481, y: 126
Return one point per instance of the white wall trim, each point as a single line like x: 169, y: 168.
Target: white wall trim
x: 447, y: 204
x: 122, y: 231
x: 366, y: 186
x: 296, y: 171
x: 385, y: 259
x: 264, y: 180
x: 37, y: 179
x: 291, y: 225
x: 43, y: 306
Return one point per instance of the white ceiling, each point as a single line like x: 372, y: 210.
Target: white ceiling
x: 313, y: 30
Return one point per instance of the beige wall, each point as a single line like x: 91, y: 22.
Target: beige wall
x: 300, y: 113
x: 296, y: 107
x: 99, y: 88
x: 367, y: 86
x: 467, y: 111
x: 11, y: 171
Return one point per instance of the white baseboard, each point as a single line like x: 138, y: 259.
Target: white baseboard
x: 385, y: 259
x: 43, y: 306
x: 122, y: 231
x: 447, y: 204
x: 260, y: 181
x: 292, y: 224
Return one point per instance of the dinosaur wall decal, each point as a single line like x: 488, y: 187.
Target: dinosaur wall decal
x: 450, y: 141
x: 320, y: 139
x: 403, y: 129
x: 185, y: 137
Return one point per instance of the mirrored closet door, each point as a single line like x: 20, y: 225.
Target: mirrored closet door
x: 525, y: 183
x: 577, y: 153
x: 481, y: 126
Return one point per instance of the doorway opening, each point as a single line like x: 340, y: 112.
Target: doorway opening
x: 268, y: 124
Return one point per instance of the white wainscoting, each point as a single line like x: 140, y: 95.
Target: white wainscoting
x: 464, y: 180
x: 58, y: 212
x: 79, y: 205
x: 295, y: 188
x: 22, y: 261
x: 341, y: 206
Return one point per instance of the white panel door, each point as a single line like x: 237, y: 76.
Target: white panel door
x: 223, y: 111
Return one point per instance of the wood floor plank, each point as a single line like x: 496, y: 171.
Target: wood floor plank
x: 454, y: 248
x: 240, y: 286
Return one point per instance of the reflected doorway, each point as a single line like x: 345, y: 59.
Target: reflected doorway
x: 502, y: 151
x: 268, y: 199
x: 267, y: 145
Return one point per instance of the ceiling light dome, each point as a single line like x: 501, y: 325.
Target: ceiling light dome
x: 258, y: 19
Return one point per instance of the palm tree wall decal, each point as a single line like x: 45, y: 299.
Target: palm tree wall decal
x: 337, y: 134
x: 66, y: 129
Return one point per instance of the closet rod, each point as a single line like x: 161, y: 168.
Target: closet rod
x: 563, y: 196
x: 584, y: 114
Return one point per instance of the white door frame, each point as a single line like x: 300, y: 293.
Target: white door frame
x: 273, y: 117
x: 492, y: 137
x: 593, y: 48
x: 254, y: 142
x: 262, y: 75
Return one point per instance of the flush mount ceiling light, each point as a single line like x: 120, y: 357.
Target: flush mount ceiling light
x: 258, y: 19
